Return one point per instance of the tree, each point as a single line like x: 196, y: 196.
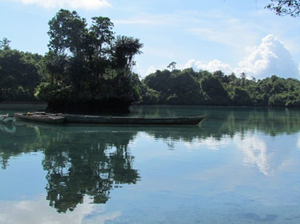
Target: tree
x: 4, y: 44
x: 172, y: 65
x: 124, y: 50
x: 214, y: 91
x: 98, y: 45
x: 20, y: 73
x: 241, y: 97
x: 67, y: 32
x: 285, y: 7
x: 102, y: 36
x: 55, y: 65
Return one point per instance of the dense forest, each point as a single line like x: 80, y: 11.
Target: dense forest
x: 88, y: 69
x: 20, y: 73
x: 187, y: 87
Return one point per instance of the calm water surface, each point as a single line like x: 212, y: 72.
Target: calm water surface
x: 241, y: 165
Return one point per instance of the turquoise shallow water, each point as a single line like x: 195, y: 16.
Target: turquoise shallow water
x: 241, y: 165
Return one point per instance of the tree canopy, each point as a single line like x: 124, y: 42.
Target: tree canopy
x: 20, y: 73
x: 187, y: 87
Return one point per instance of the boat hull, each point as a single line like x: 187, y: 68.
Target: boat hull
x: 94, y: 119
x: 44, y: 118
x: 90, y: 119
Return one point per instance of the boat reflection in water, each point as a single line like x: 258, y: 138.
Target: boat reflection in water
x: 8, y: 127
x: 7, y: 123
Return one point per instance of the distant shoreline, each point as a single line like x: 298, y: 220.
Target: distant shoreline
x: 22, y: 105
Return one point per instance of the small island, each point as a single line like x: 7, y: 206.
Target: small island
x: 89, y: 68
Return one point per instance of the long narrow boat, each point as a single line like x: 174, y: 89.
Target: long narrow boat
x: 95, y: 119
x: 91, y: 119
x: 41, y: 117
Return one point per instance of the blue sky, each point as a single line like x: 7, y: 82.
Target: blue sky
x: 228, y: 35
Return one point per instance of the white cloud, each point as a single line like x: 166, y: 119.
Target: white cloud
x: 74, y: 4
x: 211, y: 66
x: 271, y: 57
x: 151, y: 69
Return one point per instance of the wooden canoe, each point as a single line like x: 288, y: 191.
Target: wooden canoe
x: 41, y: 117
x: 91, y: 119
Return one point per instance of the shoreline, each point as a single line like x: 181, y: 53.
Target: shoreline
x: 22, y: 105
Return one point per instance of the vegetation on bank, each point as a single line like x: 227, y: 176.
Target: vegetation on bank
x: 187, y: 87
x: 20, y: 73
x: 88, y: 70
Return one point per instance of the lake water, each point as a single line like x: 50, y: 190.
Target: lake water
x: 241, y: 165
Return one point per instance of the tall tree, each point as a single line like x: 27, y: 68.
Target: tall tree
x: 172, y: 65
x: 55, y: 65
x: 67, y: 32
x: 4, y: 44
x: 124, y: 50
x: 99, y: 44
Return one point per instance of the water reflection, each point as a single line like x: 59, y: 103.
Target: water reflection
x: 8, y: 127
x: 80, y: 163
x: 25, y: 211
x: 90, y: 161
x: 269, y: 155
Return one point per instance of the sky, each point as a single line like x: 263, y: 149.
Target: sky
x: 228, y: 35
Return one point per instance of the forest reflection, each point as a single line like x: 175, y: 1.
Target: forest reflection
x: 79, y: 161
x: 90, y: 163
x: 92, y: 160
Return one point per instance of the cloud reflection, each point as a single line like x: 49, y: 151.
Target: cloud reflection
x: 209, y: 142
x: 256, y: 152
x: 268, y: 154
x: 39, y: 212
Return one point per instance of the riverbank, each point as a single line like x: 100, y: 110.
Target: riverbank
x: 22, y: 105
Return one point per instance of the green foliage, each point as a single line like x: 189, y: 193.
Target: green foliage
x: 20, y: 74
x: 54, y: 92
x: 88, y: 65
x: 241, y: 97
x: 4, y: 44
x: 158, y: 80
x: 67, y: 32
x: 176, y: 87
x: 214, y: 91
x: 188, y: 87
x: 124, y: 50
